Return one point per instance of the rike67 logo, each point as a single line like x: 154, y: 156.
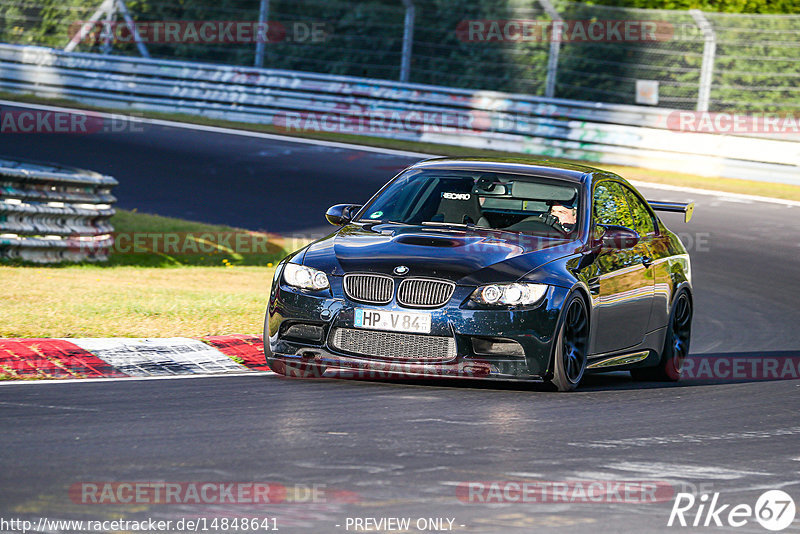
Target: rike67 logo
x: 774, y: 510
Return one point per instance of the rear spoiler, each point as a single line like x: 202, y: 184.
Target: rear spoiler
x: 687, y: 208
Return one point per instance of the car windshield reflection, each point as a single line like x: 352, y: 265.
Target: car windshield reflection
x: 479, y: 200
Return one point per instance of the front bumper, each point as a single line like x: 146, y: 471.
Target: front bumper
x: 532, y: 328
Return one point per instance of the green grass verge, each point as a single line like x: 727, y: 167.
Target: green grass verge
x: 132, y: 301
x: 214, y: 293
x: 140, y: 241
x: 775, y: 190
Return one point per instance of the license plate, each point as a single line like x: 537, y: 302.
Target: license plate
x: 418, y: 323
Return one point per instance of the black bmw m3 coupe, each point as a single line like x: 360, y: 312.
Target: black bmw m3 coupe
x: 513, y: 269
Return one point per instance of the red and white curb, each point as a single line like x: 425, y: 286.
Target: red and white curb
x: 129, y: 357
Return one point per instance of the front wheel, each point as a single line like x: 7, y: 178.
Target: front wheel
x: 572, y: 343
x: 676, y: 344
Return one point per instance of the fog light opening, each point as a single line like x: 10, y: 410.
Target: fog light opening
x: 304, y: 332
x: 477, y: 370
x: 497, y: 347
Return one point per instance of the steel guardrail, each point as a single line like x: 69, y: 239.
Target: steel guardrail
x: 594, y: 132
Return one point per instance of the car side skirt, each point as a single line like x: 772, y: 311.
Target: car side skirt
x: 645, y: 354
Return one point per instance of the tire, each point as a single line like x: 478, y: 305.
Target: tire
x: 676, y: 343
x: 572, y: 345
x: 265, y: 342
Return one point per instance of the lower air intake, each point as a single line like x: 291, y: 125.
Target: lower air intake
x: 393, y: 345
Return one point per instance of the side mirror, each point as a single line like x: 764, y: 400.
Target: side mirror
x: 618, y: 237
x: 341, y: 214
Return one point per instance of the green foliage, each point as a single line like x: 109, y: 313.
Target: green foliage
x: 722, y: 6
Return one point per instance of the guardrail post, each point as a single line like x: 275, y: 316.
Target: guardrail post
x: 81, y: 34
x: 555, y: 48
x: 709, y: 51
x: 108, y: 8
x: 263, y: 15
x: 408, y: 40
x: 107, y: 35
x: 123, y: 9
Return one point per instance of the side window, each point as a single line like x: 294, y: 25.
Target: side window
x: 641, y: 215
x: 610, y: 206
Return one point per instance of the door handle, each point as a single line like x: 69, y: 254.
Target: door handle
x: 647, y: 261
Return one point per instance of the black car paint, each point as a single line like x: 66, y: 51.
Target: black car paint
x: 471, y: 257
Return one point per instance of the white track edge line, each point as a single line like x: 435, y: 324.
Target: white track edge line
x: 365, y: 148
x: 8, y: 383
x: 222, y: 130
x: 713, y: 192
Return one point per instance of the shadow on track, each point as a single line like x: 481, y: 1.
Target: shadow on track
x: 707, y: 369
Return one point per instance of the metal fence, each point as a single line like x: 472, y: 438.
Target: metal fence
x: 51, y: 213
x: 295, y: 101
x: 697, y: 60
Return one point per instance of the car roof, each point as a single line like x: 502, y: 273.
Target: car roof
x: 518, y: 165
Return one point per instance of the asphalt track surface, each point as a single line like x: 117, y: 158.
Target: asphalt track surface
x: 401, y: 449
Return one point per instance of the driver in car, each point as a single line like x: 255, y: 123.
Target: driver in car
x: 567, y: 217
x: 560, y: 215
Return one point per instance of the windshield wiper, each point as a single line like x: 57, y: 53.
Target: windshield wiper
x: 457, y: 225
x: 381, y: 221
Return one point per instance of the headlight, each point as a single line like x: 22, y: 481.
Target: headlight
x: 304, y: 277
x: 514, y: 294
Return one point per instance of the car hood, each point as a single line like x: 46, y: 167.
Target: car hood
x: 467, y: 256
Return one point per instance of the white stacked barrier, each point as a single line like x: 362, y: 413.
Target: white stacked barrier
x: 50, y: 213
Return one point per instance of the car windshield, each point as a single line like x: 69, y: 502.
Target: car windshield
x: 509, y: 202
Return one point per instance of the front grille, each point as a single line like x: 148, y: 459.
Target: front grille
x: 371, y: 288
x: 424, y: 293
x: 394, y: 345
